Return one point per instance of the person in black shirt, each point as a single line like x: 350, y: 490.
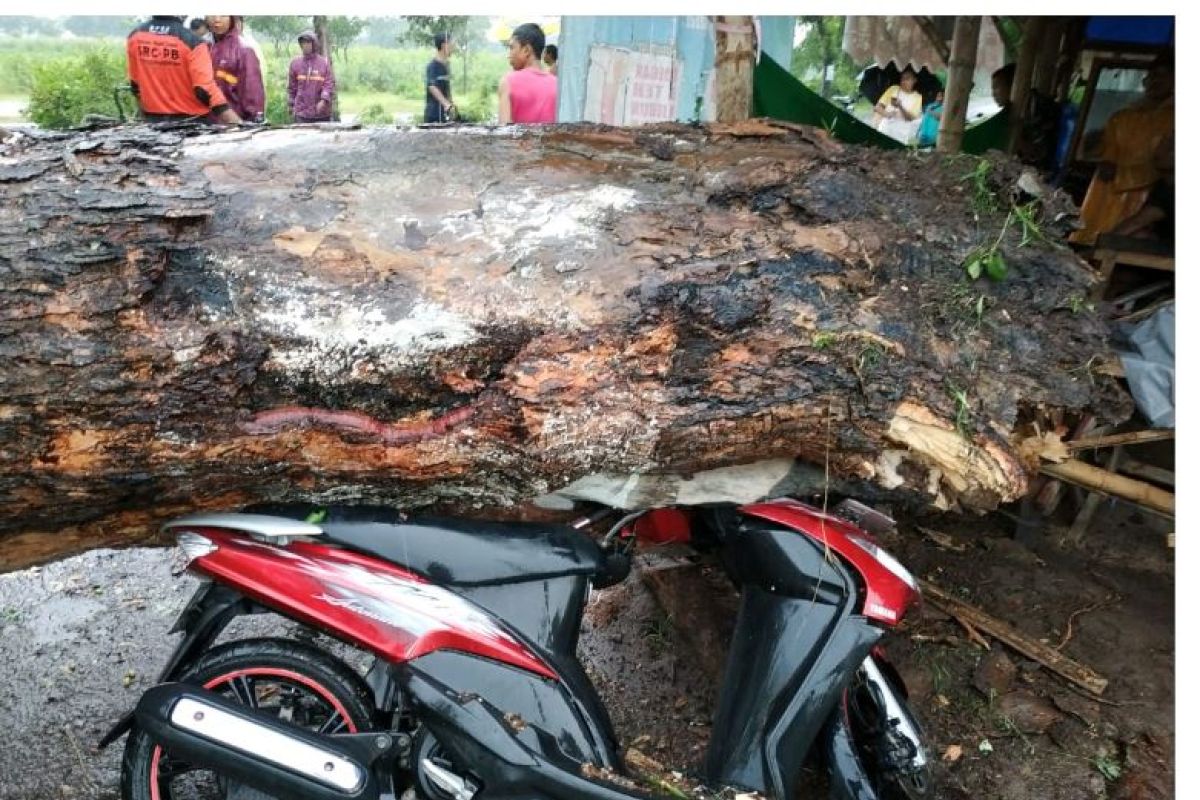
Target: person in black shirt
x: 438, y: 105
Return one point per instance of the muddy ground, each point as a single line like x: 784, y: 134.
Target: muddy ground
x: 81, y: 638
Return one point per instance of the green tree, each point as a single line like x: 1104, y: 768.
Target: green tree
x: 280, y: 31
x: 821, y: 50
x: 30, y: 26
x: 343, y: 31
x: 93, y: 27
x: 466, y: 32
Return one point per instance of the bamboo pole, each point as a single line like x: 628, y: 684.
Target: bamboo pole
x: 961, y: 77
x: 1079, y: 674
x: 1101, y: 480
x: 1129, y: 437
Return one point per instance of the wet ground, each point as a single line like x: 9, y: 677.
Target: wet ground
x: 81, y: 638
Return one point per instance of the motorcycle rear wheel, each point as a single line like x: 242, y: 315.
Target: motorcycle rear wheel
x: 308, y: 686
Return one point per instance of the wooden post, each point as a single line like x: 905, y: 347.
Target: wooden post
x: 1031, y: 40
x: 734, y: 67
x: 961, y: 76
x: 1047, y: 57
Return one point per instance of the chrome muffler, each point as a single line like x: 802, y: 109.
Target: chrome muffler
x: 207, y: 730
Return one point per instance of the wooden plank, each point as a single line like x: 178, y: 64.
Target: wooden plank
x: 1136, y: 259
x: 1079, y: 674
x: 1097, y: 479
x: 1129, y: 437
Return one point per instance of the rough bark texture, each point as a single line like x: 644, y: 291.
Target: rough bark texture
x: 473, y: 318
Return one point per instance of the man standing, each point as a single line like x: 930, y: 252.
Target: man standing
x: 528, y: 94
x: 170, y: 73
x: 438, y: 105
x: 310, y: 83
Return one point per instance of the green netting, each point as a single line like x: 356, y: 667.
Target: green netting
x: 778, y: 94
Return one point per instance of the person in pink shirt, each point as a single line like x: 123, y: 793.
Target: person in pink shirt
x: 528, y: 94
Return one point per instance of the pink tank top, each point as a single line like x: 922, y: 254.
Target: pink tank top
x: 534, y: 95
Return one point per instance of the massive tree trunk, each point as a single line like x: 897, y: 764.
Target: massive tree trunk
x: 473, y: 318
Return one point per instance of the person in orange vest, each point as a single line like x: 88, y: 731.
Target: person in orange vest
x: 310, y: 83
x: 170, y: 73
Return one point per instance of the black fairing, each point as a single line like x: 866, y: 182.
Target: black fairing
x: 554, y: 716
x: 796, y: 646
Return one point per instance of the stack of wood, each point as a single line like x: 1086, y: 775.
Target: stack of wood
x: 468, y: 319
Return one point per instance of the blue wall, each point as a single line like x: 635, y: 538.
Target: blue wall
x: 691, y: 38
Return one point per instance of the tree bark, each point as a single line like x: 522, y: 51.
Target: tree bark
x: 473, y: 318
x: 734, y: 65
x: 959, y: 79
x: 929, y: 28
x: 321, y: 27
x: 1031, y: 42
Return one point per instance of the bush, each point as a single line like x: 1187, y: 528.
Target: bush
x: 67, y: 89
x: 374, y: 115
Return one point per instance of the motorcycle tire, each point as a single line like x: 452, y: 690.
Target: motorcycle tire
x: 328, y: 694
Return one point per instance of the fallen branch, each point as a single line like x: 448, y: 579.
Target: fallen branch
x: 1114, y: 485
x: 1079, y: 674
x: 1129, y: 437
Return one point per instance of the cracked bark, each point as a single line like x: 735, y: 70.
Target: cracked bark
x: 469, y: 319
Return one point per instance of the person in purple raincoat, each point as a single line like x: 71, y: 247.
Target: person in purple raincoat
x: 310, y: 83
x: 236, y: 69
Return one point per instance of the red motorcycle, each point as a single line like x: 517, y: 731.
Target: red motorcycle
x: 475, y: 690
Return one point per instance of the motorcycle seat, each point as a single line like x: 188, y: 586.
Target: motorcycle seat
x: 461, y: 552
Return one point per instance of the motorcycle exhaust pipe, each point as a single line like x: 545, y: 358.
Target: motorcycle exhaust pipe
x: 204, y: 729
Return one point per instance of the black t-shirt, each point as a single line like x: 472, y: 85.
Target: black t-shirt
x: 436, y: 74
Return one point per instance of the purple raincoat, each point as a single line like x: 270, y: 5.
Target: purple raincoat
x: 310, y: 83
x: 239, y: 75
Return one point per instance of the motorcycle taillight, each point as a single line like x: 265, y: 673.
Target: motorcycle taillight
x: 189, y: 547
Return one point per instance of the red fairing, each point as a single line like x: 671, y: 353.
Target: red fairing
x: 385, y: 609
x: 888, y: 595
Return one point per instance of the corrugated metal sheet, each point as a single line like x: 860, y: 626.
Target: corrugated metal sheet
x: 626, y: 58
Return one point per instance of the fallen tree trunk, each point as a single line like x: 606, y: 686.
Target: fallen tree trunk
x: 473, y: 318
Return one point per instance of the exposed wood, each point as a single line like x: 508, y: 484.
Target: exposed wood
x: 929, y: 28
x: 960, y: 79
x: 1031, y: 40
x: 734, y: 67
x: 1096, y: 479
x: 1092, y: 504
x: 195, y: 322
x: 1075, y: 672
x: 1127, y: 438
x: 1050, y: 495
x: 1141, y: 293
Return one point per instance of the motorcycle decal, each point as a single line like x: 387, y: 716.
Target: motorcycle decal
x: 394, y: 613
x: 888, y: 595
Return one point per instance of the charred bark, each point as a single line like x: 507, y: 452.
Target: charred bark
x: 473, y: 318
